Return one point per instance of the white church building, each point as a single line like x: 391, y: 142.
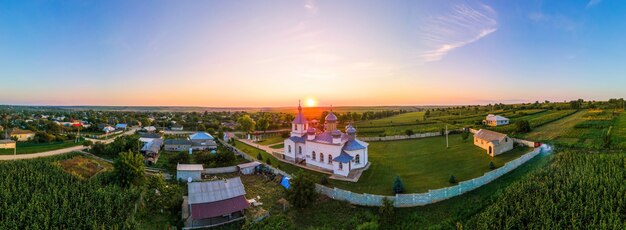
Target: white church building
x: 329, y: 149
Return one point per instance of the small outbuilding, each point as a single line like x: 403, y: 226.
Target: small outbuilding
x: 495, y: 143
x: 248, y: 168
x: 186, y: 172
x: 121, y: 126
x: 213, y: 203
x: 495, y: 120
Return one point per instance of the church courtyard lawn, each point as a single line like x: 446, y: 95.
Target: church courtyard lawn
x: 424, y: 164
x: 27, y: 148
x: 272, y: 140
x: 278, y: 146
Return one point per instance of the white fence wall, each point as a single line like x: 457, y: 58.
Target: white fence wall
x: 404, y: 137
x: 432, y: 196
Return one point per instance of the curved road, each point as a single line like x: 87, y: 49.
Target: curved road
x: 59, y: 151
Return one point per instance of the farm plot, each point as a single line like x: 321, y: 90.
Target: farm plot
x: 618, y: 133
x: 83, y: 167
x: 535, y: 120
x: 584, y: 129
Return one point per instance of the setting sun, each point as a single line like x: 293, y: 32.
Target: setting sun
x: 311, y: 102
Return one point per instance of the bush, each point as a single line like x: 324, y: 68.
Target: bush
x: 371, y: 225
x: 128, y: 168
x: 492, y: 166
x: 522, y: 126
x: 259, y: 157
x: 268, y: 161
x: 302, y: 191
x: 452, y: 179
x: 387, y: 211
x: 409, y: 132
x: 324, y: 180
x: 465, y: 135
x: 398, y: 186
x: 87, y: 143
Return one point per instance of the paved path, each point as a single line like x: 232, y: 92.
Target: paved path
x: 59, y: 151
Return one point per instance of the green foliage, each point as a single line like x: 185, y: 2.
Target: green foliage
x: 246, y: 123
x: 324, y: 180
x: 409, y: 132
x: 35, y: 194
x: 371, y: 225
x: 578, y: 190
x: 302, y: 192
x: 268, y: 161
x: 87, y: 143
x: 522, y: 126
x: 129, y: 168
x: 465, y: 135
x: 492, y: 166
x: 398, y: 186
x: 162, y: 196
x: 259, y: 157
x: 452, y: 179
x: 270, y: 223
x: 387, y: 211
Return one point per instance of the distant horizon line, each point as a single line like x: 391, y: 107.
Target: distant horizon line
x: 276, y: 107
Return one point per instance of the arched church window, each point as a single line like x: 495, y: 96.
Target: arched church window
x: 357, y: 159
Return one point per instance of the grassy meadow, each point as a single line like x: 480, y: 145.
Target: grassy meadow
x: 27, y: 148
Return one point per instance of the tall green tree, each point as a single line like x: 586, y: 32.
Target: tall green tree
x: 398, y: 186
x: 246, y: 123
x: 302, y: 190
x: 129, y: 168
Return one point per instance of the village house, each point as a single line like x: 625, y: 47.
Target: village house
x: 108, y: 129
x: 189, y: 172
x: 495, y: 120
x: 176, y: 127
x: 214, y: 202
x: 329, y: 149
x: 149, y: 128
x: 7, y: 144
x: 495, y: 143
x: 202, y: 141
x: 21, y: 134
x: 150, y: 150
x: 177, y: 145
x: 121, y: 126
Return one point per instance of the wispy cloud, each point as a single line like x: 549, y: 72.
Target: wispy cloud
x: 592, y: 3
x: 456, y: 27
x: 311, y: 6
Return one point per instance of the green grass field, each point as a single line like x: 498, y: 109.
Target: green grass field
x: 27, y: 148
x: 424, y: 164
x: 404, y: 118
x: 271, y: 140
x: 278, y: 146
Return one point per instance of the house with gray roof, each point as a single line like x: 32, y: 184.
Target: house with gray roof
x: 330, y: 149
x: 495, y: 143
x: 202, y: 141
x: 177, y: 145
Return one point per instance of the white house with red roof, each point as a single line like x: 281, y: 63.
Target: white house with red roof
x: 329, y: 149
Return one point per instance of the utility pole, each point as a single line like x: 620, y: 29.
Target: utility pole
x: 447, y: 143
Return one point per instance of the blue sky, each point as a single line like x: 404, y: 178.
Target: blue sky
x: 272, y: 53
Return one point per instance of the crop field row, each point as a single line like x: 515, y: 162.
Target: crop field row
x: 536, y: 120
x: 584, y: 129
